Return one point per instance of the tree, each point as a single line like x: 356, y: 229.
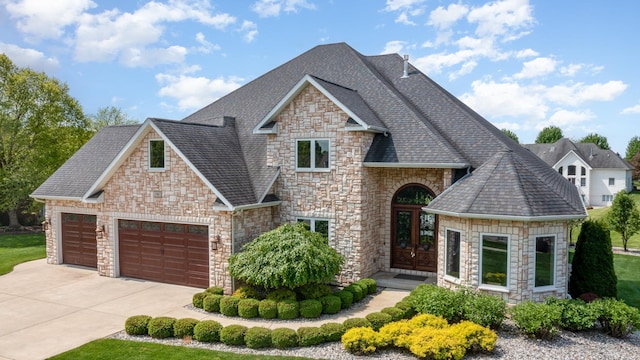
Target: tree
x: 549, y: 135
x: 624, y: 217
x: 108, y: 116
x: 511, y: 134
x: 635, y: 162
x: 41, y: 126
x: 633, y: 147
x: 288, y: 256
x: 597, y: 139
x: 592, y: 267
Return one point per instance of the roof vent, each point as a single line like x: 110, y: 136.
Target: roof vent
x: 405, y: 73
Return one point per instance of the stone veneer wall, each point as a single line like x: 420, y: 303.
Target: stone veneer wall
x: 53, y: 211
x: 522, y: 255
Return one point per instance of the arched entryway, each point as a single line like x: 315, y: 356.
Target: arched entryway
x: 413, y: 231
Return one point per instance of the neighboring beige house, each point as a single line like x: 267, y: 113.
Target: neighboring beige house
x: 397, y: 173
x: 597, y: 174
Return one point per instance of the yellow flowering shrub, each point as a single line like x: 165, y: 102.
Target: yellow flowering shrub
x: 428, y: 320
x: 437, y: 344
x: 477, y: 338
x: 396, y: 333
x: 361, y: 340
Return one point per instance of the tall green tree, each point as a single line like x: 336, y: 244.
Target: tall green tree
x: 635, y: 162
x: 597, y: 139
x: 108, y: 116
x: 41, y: 126
x: 624, y: 217
x: 633, y: 147
x: 511, y: 134
x: 549, y: 135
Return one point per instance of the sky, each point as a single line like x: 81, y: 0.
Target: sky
x: 522, y: 64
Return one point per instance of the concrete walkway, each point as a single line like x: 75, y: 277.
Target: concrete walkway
x: 48, y: 309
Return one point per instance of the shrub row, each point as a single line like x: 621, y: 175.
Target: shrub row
x: 425, y: 335
x: 544, y: 321
x: 458, y: 305
x: 249, y: 302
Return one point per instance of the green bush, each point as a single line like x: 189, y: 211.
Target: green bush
x: 137, y: 325
x: 248, y: 308
x: 281, y: 294
x: 229, y: 305
x: 332, y: 331
x: 485, y: 310
x: 284, y: 338
x: 258, y: 338
x: 430, y: 299
x: 537, y: 320
x: 161, y: 327
x: 288, y: 309
x: 215, y: 290
x: 211, y: 303
x: 273, y: 259
x: 378, y: 319
x: 207, y: 331
x: 268, y: 309
x: 576, y: 315
x: 395, y: 313
x: 233, y: 335
x: 406, y: 306
x: 356, y: 322
x: 314, y: 291
x: 330, y: 304
x: 592, y: 266
x: 184, y: 327
x: 361, y: 340
x: 198, y: 298
x: 370, y: 284
x: 617, y: 318
x: 310, y: 309
x: 249, y: 292
x: 357, y: 292
x: 309, y: 336
x: 346, y: 298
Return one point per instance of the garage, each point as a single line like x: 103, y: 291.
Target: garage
x: 79, y: 240
x: 164, y: 252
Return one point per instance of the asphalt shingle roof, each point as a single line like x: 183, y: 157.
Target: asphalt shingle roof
x: 590, y: 153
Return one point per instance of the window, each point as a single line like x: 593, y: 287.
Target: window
x: 560, y: 170
x: 607, y: 198
x: 545, y: 261
x: 571, y: 170
x: 572, y: 180
x: 494, y: 263
x: 452, y: 253
x: 583, y: 182
x: 583, y: 171
x: 156, y: 154
x: 317, y: 225
x: 317, y: 159
x: 612, y: 181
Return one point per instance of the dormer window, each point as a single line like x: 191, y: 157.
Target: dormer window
x: 156, y: 155
x: 312, y: 155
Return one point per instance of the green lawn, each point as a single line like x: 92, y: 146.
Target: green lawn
x: 627, y: 267
x: 108, y: 349
x: 16, y: 249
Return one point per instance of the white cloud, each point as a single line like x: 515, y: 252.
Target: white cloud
x: 134, y: 57
x: 505, y: 18
x: 571, y: 69
x: 407, y: 8
x: 205, y: 46
x: 537, y: 67
x: 47, y: 21
x: 269, y: 8
x: 566, y: 119
x: 250, y: 30
x: 465, y: 69
x: 631, y: 110
x: 443, y: 18
x: 195, y: 92
x: 526, y: 53
x: 30, y: 58
x: 394, y: 5
x: 394, y: 47
x: 579, y: 93
x: 506, y: 99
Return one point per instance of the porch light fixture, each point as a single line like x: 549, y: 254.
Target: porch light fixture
x: 45, y: 225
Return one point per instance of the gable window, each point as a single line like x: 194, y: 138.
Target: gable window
x: 156, y: 154
x: 494, y: 260
x: 583, y: 182
x: 312, y: 154
x: 545, y: 273
x: 560, y: 170
x: 452, y: 253
x: 571, y: 170
x: 612, y: 181
x: 607, y: 198
x: 583, y: 171
x: 317, y: 225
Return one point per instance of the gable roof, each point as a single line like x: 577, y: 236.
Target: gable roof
x: 589, y: 153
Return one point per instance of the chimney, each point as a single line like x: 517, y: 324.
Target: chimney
x: 405, y: 73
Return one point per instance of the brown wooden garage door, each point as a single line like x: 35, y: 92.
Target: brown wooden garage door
x: 163, y: 252
x: 79, y: 240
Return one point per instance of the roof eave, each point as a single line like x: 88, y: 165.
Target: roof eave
x: 247, y: 207
x: 42, y: 198
x: 506, y: 217
x: 416, y: 165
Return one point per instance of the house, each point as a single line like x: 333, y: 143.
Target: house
x: 396, y: 172
x: 597, y: 174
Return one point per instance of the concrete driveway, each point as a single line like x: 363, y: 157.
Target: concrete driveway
x: 48, y: 309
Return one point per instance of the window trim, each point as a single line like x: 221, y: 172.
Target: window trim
x: 312, y: 160
x: 491, y: 287
x: 553, y: 286
x: 312, y: 223
x: 612, y: 181
x: 164, y: 155
x: 569, y: 170
x: 451, y: 278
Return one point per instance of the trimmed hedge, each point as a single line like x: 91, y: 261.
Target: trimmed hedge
x: 288, y: 309
x: 282, y: 294
x: 309, y: 336
x: 137, y: 325
x: 314, y: 291
x: 197, y: 299
x: 356, y: 322
x: 184, y: 327
x: 346, y: 298
x: 258, y: 337
x: 395, y: 313
x: 161, y: 327
x: 268, y: 309
x: 284, y: 338
x: 356, y: 290
x: 229, y: 305
x: 211, y: 303
x: 207, y: 331
x: 233, y: 335
x: 248, y: 308
x: 310, y: 309
x: 248, y: 292
x: 330, y: 304
x: 215, y: 290
x: 378, y: 319
x: 332, y: 331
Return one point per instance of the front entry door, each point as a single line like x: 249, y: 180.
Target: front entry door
x: 413, y: 238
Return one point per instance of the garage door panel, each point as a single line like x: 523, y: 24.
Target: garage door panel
x: 79, y: 240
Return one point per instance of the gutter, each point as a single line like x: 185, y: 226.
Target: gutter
x: 417, y: 165
x: 506, y: 217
